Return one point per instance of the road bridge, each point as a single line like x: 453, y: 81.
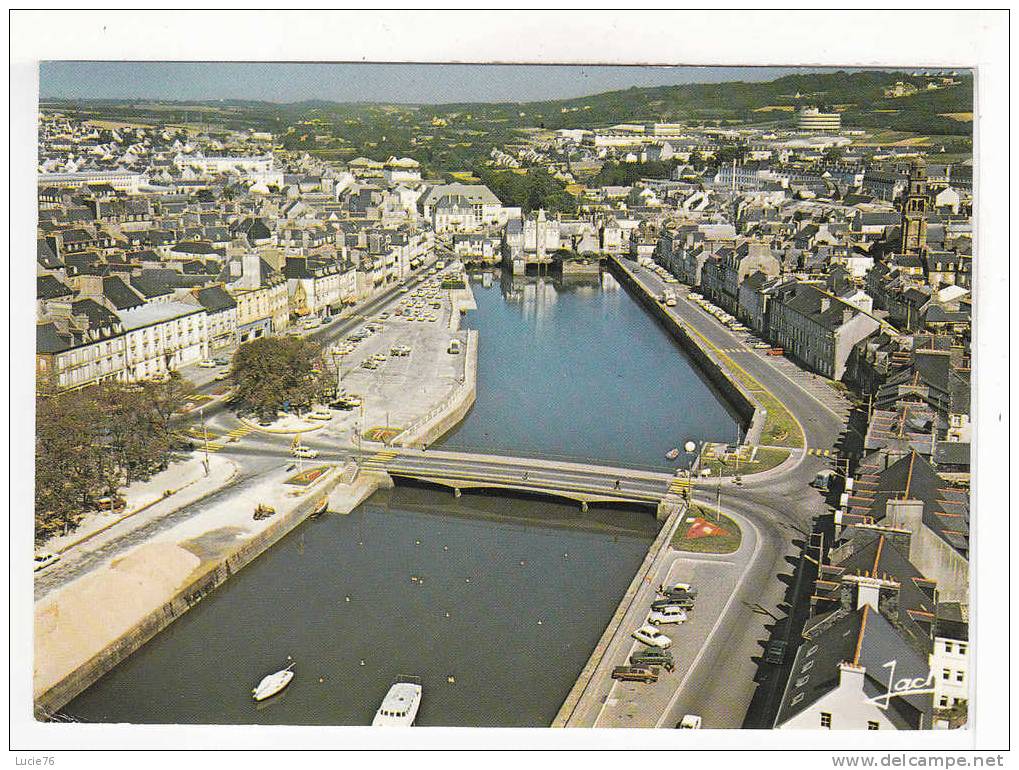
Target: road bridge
x: 585, y: 483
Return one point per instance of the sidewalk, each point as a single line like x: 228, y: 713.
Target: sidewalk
x: 83, y: 628
x: 185, y: 481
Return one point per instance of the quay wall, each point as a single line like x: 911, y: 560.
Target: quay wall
x: 200, y: 584
x: 750, y: 412
x: 449, y: 414
x: 657, y: 548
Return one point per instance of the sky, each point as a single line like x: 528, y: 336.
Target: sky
x: 400, y: 83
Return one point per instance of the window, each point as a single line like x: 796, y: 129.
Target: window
x: 873, y: 726
x: 960, y: 676
x: 826, y: 720
x: 946, y: 674
x: 962, y: 647
x: 943, y: 703
x: 948, y: 647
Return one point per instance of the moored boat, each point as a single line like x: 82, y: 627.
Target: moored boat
x: 273, y: 683
x: 400, y: 706
x: 672, y: 454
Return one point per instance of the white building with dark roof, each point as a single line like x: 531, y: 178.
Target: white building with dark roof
x: 163, y: 337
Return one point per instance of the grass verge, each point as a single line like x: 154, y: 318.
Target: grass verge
x: 728, y: 543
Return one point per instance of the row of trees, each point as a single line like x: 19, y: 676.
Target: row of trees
x: 91, y: 442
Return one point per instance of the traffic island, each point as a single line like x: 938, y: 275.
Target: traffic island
x: 748, y: 460
x: 706, y: 530
x: 289, y: 425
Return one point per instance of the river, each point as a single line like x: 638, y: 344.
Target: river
x: 494, y: 601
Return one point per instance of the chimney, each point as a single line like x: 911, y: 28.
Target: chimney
x: 905, y: 514
x: 868, y: 591
x: 251, y: 271
x: 851, y: 676
x: 847, y: 315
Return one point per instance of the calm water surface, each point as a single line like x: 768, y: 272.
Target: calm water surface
x: 578, y: 369
x: 512, y: 593
x: 510, y: 599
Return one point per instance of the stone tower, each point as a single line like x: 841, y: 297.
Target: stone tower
x: 914, y: 212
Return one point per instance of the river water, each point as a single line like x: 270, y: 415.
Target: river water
x: 577, y: 369
x: 495, y: 602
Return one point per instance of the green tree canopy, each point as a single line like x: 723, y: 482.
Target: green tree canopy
x: 272, y: 371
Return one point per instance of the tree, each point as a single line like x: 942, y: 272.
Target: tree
x: 271, y: 372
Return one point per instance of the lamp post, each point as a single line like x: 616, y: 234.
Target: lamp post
x: 205, y: 434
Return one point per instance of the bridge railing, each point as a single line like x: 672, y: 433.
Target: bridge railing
x: 601, y: 461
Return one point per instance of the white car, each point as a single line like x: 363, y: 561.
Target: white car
x: 220, y: 376
x: 667, y: 615
x: 305, y: 453
x: 319, y: 414
x: 44, y: 559
x: 208, y: 363
x: 652, y: 637
x: 690, y: 722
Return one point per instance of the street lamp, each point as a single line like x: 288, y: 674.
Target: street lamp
x: 205, y: 433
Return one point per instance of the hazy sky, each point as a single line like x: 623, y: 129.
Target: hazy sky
x: 406, y: 83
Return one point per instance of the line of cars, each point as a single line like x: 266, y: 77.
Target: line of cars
x: 421, y: 303
x: 733, y: 324
x: 671, y: 606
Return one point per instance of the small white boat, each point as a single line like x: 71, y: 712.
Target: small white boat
x: 400, y: 706
x: 672, y: 454
x: 273, y: 683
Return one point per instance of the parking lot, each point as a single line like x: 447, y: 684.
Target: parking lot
x: 396, y: 390
x: 607, y: 702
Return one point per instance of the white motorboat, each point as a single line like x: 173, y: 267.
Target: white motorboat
x: 400, y: 706
x: 672, y: 454
x: 273, y: 683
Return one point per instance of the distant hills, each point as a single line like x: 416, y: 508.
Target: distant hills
x: 859, y: 96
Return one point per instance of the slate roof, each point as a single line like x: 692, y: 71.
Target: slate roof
x: 945, y: 508
x: 864, y: 638
x: 216, y: 299
x: 50, y: 287
x: 120, y: 295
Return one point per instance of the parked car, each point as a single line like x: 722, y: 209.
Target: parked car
x: 208, y: 363
x: 690, y: 722
x: 224, y: 375
x: 44, y: 559
x: 653, y: 657
x: 670, y: 614
x: 115, y: 503
x: 305, y: 453
x: 646, y: 674
x: 652, y: 637
x: 660, y: 604
x: 221, y: 361
x: 675, y: 587
x: 776, y: 352
x: 319, y: 414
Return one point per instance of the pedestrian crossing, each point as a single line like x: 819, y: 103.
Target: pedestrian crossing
x: 679, y: 485
x: 820, y: 452
x: 214, y: 442
x: 380, y: 459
